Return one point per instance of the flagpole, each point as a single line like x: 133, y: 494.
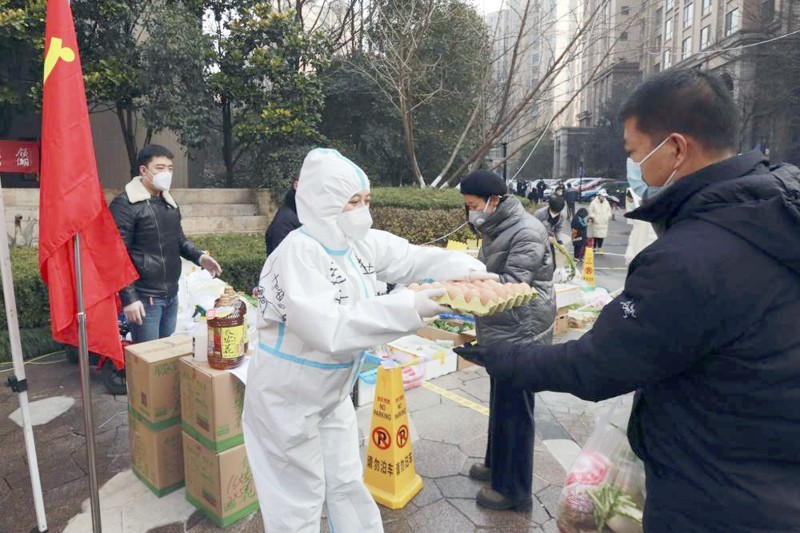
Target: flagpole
x: 86, y: 393
x: 19, y: 383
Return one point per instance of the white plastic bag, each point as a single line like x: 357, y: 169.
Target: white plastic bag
x: 604, y: 488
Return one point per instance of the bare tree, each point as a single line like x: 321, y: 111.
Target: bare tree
x: 506, y: 96
x: 341, y: 21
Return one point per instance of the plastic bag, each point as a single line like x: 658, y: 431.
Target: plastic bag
x: 604, y: 489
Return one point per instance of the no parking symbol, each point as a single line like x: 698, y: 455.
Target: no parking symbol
x: 402, y: 436
x: 381, y: 438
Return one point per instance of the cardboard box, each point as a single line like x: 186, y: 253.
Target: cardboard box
x: 561, y: 324
x: 156, y: 456
x: 151, y: 369
x: 457, y: 338
x: 220, y: 484
x: 211, y: 405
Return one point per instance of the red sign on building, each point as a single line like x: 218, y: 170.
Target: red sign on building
x: 19, y: 157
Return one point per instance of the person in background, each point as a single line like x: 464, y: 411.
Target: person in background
x: 580, y: 233
x: 553, y: 217
x: 600, y: 217
x: 571, y: 197
x: 705, y: 329
x: 541, y: 187
x: 149, y: 221
x: 514, y: 246
x: 642, y: 233
x: 319, y: 309
x: 285, y: 221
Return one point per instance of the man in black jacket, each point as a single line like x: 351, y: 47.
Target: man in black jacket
x: 150, y: 224
x: 284, y: 223
x: 706, y: 327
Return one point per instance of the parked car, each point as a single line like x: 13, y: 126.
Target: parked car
x: 615, y: 189
x: 582, y: 184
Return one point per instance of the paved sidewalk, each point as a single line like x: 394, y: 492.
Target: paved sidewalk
x: 449, y: 438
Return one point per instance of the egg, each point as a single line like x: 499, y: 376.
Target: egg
x: 471, y: 295
x: 436, y: 285
x: 454, y: 291
x: 425, y: 286
x: 414, y: 287
x: 488, y: 296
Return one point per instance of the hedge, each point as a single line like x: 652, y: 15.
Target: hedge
x: 416, y: 198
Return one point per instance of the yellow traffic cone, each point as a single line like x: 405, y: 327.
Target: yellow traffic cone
x: 588, y: 266
x: 389, y: 473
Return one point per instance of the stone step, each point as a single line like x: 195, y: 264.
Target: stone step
x: 193, y: 196
x: 218, y: 210
x: 214, y: 196
x: 222, y: 224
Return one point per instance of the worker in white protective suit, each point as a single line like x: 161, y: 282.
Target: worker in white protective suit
x: 318, y: 310
x: 642, y: 233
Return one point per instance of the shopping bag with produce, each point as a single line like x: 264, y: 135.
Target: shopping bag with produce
x: 604, y: 489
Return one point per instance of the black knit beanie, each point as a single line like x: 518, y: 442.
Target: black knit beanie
x: 483, y: 183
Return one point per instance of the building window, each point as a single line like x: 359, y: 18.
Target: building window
x: 625, y: 10
x: 657, y: 68
x: 768, y: 11
x: 732, y: 20
x: 688, y: 14
x: 659, y: 16
x: 668, y: 30
x: 686, y: 50
x: 706, y: 7
x: 658, y: 43
x: 623, y: 36
x: 667, y: 59
x: 670, y: 5
x: 705, y: 37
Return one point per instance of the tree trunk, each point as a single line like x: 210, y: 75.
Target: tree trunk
x: 408, y: 137
x: 227, y: 141
x: 125, y: 117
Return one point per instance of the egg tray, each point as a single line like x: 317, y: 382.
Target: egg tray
x: 476, y: 308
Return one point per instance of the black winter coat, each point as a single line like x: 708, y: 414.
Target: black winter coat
x: 707, y: 330
x: 283, y: 224
x: 151, y: 229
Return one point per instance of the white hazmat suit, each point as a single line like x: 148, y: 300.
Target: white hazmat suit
x: 318, y: 310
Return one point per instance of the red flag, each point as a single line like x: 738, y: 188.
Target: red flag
x: 71, y: 200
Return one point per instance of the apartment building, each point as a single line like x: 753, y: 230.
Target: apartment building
x: 609, y: 67
x: 722, y: 36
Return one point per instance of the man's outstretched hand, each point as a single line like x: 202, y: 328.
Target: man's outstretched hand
x: 498, y: 359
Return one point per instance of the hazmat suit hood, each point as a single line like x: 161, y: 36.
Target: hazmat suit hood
x: 744, y: 196
x: 327, y: 182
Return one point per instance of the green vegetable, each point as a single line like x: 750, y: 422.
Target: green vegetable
x: 610, y: 500
x: 461, y: 327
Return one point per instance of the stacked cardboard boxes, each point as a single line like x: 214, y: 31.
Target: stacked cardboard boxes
x: 154, y: 411
x: 218, y: 476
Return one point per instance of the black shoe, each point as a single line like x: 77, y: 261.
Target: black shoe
x: 481, y: 472
x: 492, y: 499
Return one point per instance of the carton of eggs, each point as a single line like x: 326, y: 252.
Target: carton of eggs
x: 480, y: 298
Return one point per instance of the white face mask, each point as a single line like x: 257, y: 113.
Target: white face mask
x: 355, y: 223
x: 477, y: 218
x: 163, y: 181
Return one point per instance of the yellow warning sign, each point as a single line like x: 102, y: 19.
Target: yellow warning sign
x: 389, y: 473
x: 588, y: 266
x: 456, y: 245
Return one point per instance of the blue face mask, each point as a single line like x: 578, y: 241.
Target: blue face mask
x: 636, y: 180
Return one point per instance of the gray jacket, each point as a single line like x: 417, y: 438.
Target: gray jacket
x: 515, y: 246
x: 555, y: 230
